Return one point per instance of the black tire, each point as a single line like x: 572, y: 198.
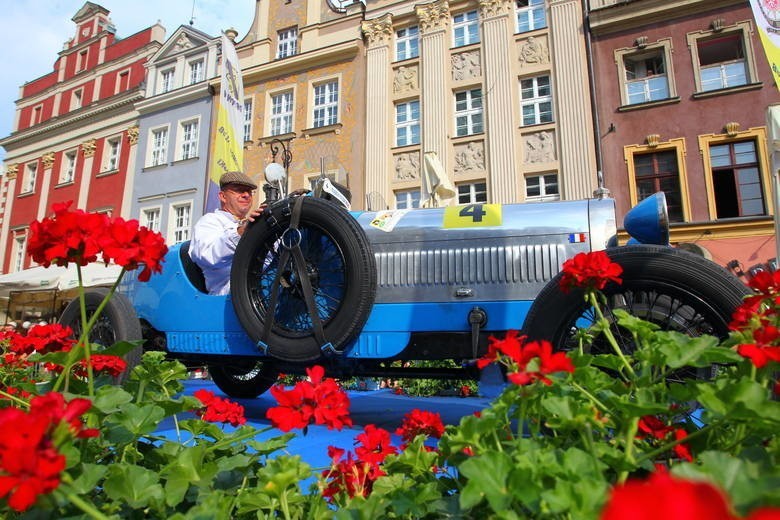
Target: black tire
x: 341, y: 268
x: 244, y: 380
x: 672, y: 288
x: 117, y: 322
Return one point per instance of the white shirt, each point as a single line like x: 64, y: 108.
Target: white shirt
x: 213, y: 245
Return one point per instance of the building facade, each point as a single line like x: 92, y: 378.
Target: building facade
x: 682, y: 89
x: 76, y: 130
x: 498, y: 89
x: 303, y: 70
x: 174, y: 131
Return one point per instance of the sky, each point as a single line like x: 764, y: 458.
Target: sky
x: 32, y: 32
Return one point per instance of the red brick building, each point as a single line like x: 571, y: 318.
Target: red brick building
x: 75, y: 130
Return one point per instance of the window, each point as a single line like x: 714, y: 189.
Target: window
x: 736, y: 180
x: 468, y: 112
x: 407, y: 123
x: 721, y: 62
x: 196, y: 71
x: 159, y: 147
x: 472, y: 193
x: 37, y: 115
x: 182, y: 214
x: 407, y: 42
x: 112, y: 154
x: 536, y: 100
x: 68, y: 168
x: 542, y: 187
x: 646, y: 78
x: 405, y: 199
x: 81, y: 64
x: 530, y: 15
x: 465, y: 29
x: 151, y: 219
x: 247, y: 120
x: 282, y: 113
x: 326, y: 104
x: 30, y: 171
x: 76, y: 99
x: 166, y: 80
x: 189, y: 139
x: 287, y: 43
x: 658, y: 171
x: 123, y: 81
x: 20, y: 248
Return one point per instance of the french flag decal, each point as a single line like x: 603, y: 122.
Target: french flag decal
x: 576, y: 238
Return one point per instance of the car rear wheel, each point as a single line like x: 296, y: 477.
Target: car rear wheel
x: 117, y: 322
x: 244, y: 380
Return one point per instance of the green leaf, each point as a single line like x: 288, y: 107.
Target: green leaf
x: 136, y: 486
x: 138, y: 420
x: 111, y: 398
x: 487, y: 478
x: 88, y: 479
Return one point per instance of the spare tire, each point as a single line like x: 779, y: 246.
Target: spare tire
x: 340, y: 267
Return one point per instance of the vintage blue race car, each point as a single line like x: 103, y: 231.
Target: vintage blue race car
x: 354, y: 291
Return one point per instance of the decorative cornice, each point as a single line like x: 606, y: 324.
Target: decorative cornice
x: 433, y: 16
x: 731, y: 128
x: 132, y: 135
x: 490, y: 8
x: 653, y: 140
x: 378, y: 31
x: 88, y: 148
x: 48, y: 160
x: 11, y: 171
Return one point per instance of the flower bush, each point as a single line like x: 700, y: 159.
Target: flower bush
x: 574, y: 435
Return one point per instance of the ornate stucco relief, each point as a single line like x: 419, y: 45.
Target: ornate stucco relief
x: 469, y: 157
x: 539, y: 148
x: 407, y: 166
x: 405, y: 78
x: 433, y: 16
x: 466, y: 65
x: 534, y: 51
x: 378, y: 31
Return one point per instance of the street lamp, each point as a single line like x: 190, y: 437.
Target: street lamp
x: 275, y: 173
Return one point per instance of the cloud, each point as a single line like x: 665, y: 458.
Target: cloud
x: 32, y: 32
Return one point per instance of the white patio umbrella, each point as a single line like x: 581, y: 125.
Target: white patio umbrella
x: 436, y: 184
x: 55, y: 277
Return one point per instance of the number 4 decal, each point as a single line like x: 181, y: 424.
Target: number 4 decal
x: 472, y: 215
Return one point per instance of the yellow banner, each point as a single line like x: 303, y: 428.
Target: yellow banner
x: 229, y: 131
x: 767, y: 15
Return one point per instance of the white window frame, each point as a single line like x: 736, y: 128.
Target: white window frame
x: 528, y: 14
x: 19, y: 252
x: 743, y: 30
x: 82, y: 60
x: 188, y: 137
x: 287, y: 42
x: 77, y: 99
x: 36, y: 115
x: 111, y: 152
x: 536, y: 101
x: 325, y: 103
x: 30, y: 174
x: 166, y: 79
x: 463, y: 25
x: 179, y: 232
x: 543, y: 188
x: 407, y: 43
x: 662, y: 47
x: 248, y: 107
x: 471, y: 115
x: 406, y: 124
x: 153, y: 224
x: 471, y: 195
x: 157, y: 148
x: 119, y: 76
x: 282, y: 110
x: 408, y: 198
x: 68, y: 167
x: 196, y: 68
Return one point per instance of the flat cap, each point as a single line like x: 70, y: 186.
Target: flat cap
x: 236, y: 178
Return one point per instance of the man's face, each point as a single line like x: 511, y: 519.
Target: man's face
x: 236, y: 199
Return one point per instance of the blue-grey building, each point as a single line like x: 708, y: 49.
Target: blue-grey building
x: 174, y: 134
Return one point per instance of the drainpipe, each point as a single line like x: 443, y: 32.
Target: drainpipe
x: 600, y: 192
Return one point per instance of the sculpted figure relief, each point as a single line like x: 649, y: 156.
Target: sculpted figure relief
x: 539, y: 148
x: 405, y: 78
x: 407, y: 167
x: 533, y: 52
x: 466, y: 65
x: 470, y: 158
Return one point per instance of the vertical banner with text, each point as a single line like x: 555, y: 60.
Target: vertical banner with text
x: 767, y: 15
x: 229, y: 132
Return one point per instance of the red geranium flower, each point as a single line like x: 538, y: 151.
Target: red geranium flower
x: 419, y: 422
x: 374, y: 445
x: 510, y: 346
x: 107, y: 364
x: 759, y: 355
x: 57, y: 410
x: 43, y: 338
x: 130, y: 246
x: 589, y: 270
x: 217, y: 409
x: 667, y: 497
x: 652, y: 425
x: 349, y: 476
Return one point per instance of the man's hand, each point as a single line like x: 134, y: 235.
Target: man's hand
x: 244, y: 222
